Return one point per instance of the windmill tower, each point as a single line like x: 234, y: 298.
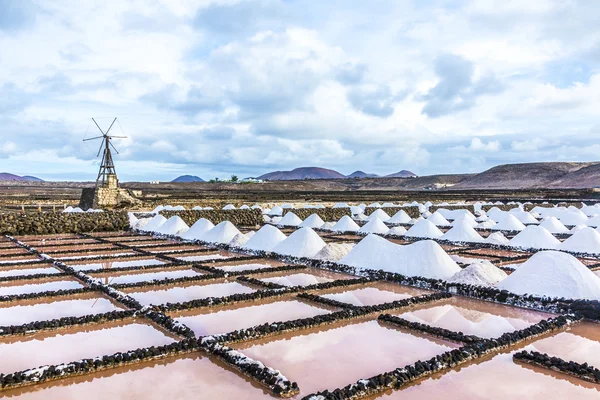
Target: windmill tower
x: 107, y: 176
x: 106, y: 193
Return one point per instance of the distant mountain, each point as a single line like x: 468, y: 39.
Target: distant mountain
x: 188, y: 178
x: 302, y: 173
x: 361, y: 174
x: 402, y: 174
x: 536, y: 175
x: 5, y: 176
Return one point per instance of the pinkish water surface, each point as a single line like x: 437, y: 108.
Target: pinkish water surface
x: 188, y: 377
x: 482, y: 319
x: 223, y: 321
x: 146, y: 276
x: 49, y: 348
x: 24, y: 287
x: 339, y: 356
x: 186, y: 293
x: 29, y: 311
x: 497, y: 379
x: 309, y: 277
x: 24, y: 271
x: 108, y: 264
x: 580, y: 343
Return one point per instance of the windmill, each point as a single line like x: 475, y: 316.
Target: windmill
x: 107, y: 176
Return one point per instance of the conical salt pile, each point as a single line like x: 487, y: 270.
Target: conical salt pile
x: 424, y: 229
x: 462, y: 232
x: 497, y: 238
x: 379, y: 213
x: 302, y: 243
x: 438, y: 219
x: 155, y: 223
x: 221, y: 233
x: 508, y: 222
x: 585, y: 240
x: 401, y: 217
x: 482, y: 273
x: 423, y: 258
x: 553, y: 225
x: 198, y: 229
x: 345, y: 224
x: 397, y: 230
x: 536, y: 237
x: 553, y: 274
x: 374, y: 226
x: 265, y: 239
x: 313, y: 221
x: 334, y: 251
x: 289, y: 219
x: 173, y: 226
x: 524, y: 217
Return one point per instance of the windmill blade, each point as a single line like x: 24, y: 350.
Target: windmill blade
x: 114, y: 147
x: 99, y: 150
x: 98, y: 126
x: 92, y: 138
x: 111, y: 125
x: 119, y: 137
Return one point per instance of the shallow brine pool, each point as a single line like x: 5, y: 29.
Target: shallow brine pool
x: 132, y: 277
x: 37, y: 286
x: 191, y: 292
x: 108, y: 264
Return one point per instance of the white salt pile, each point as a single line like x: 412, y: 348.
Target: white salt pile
x: 345, y: 224
x: 585, y: 240
x: 328, y: 225
x: 275, y: 220
x: 155, y: 223
x: 553, y: 274
x: 577, y: 228
x: 374, y: 205
x: 244, y: 207
x: 276, y: 211
x: 256, y: 207
x: 397, y: 230
x: 572, y: 218
x: 524, y: 217
x: 221, y: 233
x: 466, y: 220
x: 553, y: 225
x: 388, y: 205
x: 482, y: 273
x: 289, y: 219
x: 354, y: 210
x: 497, y: 238
x: 508, y: 222
x: 536, y: 237
x: 340, y: 205
x: 424, y: 229
x: 401, y: 217
x: 488, y: 224
x: 374, y: 225
x: 334, y: 251
x: 240, y: 239
x: 173, y: 226
x: 423, y: 258
x: 133, y: 220
x: 302, y: 243
x: 198, y: 229
x: 591, y: 211
x: 426, y: 214
x: 313, y: 221
x: 287, y: 205
x: 594, y: 221
x: 462, y: 232
x: 438, y: 219
x: 266, y: 219
x: 265, y: 239
x: 380, y: 214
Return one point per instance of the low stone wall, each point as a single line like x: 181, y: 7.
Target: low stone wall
x: 43, y: 223
x: 412, y: 211
x: 326, y: 214
x: 236, y: 217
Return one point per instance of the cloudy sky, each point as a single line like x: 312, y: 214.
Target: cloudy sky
x: 221, y: 87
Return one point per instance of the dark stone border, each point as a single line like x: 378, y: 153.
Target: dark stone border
x: 257, y: 282
x: 400, y: 377
x: 430, y: 330
x: 32, y: 277
x: 271, y: 329
x: 582, y: 371
x: 40, y: 295
x: 65, y: 322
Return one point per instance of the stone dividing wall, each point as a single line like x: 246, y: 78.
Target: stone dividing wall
x: 412, y: 211
x: 326, y: 214
x: 236, y: 217
x: 42, y: 223
x: 582, y: 371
